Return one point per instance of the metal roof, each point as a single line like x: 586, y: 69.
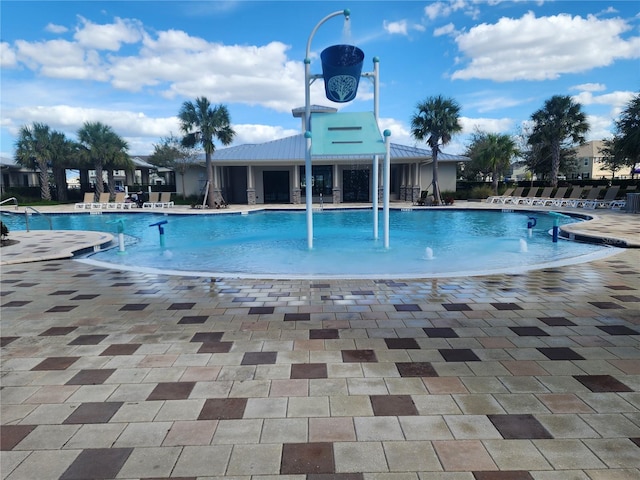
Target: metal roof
x: 292, y: 149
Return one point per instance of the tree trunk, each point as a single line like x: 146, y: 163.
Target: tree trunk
x: 494, y: 183
x: 436, y: 186
x: 60, y: 178
x: 99, y: 180
x: 555, y: 163
x: 111, y: 184
x: 43, y: 174
x: 184, y: 192
x: 210, y: 200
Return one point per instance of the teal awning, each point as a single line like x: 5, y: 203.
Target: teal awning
x: 351, y: 133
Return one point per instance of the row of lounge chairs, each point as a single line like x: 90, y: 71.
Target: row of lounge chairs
x: 156, y: 200
x: 585, y: 197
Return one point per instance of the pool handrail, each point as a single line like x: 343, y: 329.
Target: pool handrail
x: 15, y: 200
x: 26, y: 217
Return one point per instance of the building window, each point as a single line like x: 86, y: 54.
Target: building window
x: 586, y: 162
x: 321, y: 180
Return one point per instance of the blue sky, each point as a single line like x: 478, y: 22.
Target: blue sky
x: 131, y: 64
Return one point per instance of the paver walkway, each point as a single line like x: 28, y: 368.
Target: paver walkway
x: 110, y: 374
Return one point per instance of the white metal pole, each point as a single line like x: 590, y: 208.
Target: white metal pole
x: 376, y: 160
x: 307, y: 124
x: 385, y: 193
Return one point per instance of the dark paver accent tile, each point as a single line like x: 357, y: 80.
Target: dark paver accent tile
x: 215, y: 347
x: 97, y: 464
x: 134, y: 307
x: 308, y: 370
x: 619, y: 287
x: 4, y: 341
x: 11, y: 435
x: 529, y: 331
x: 181, y: 306
x: 458, y: 355
x: 56, y: 331
x: 320, y: 285
x: 16, y: 303
x: 62, y: 308
x: 506, y: 306
x: 626, y: 298
x: 618, y: 330
x: 207, y: 337
x: 602, y: 383
x: 223, y: 409
x: 407, y: 307
x: 171, y: 391
x: 147, y: 291
x: 402, y: 343
x: 393, y: 405
x: 93, y: 412
x: 636, y: 441
x: 91, y: 377
x: 362, y: 356
x: 169, y: 478
x: 87, y: 340
x: 261, y: 310
x: 416, y: 369
x: 85, y: 297
x: 523, y: 426
x: 4, y: 293
x: 122, y: 284
x: 606, y: 305
x: 324, y: 334
x: 456, y: 307
x: 121, y: 349
x: 63, y: 292
x: 230, y: 290
x: 335, y: 476
x: 259, y: 358
x: 503, y: 475
x: 56, y: 363
x: 560, y: 353
x: 440, y: 332
x: 279, y: 294
x: 557, y: 321
x: 193, y: 319
x: 297, y: 317
x: 362, y: 292
x: 299, y: 458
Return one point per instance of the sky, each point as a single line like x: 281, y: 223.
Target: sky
x: 132, y: 64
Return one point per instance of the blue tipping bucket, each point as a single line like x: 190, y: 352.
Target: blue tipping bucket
x: 341, y: 68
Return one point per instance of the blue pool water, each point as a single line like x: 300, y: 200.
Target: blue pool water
x: 273, y: 244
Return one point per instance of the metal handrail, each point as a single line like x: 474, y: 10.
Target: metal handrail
x: 26, y: 217
x: 15, y: 200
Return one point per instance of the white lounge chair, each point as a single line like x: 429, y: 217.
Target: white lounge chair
x: 102, y: 202
x: 546, y: 193
x: 154, y: 200
x: 606, y: 201
x: 498, y: 198
x: 165, y: 200
x: 89, y: 197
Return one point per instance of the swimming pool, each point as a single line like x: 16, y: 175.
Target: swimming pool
x: 272, y: 244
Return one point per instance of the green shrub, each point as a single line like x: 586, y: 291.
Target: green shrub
x: 481, y: 192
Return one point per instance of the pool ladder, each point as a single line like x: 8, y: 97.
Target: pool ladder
x: 26, y: 217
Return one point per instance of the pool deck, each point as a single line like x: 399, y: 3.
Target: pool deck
x: 116, y: 374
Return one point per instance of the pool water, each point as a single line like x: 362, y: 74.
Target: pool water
x: 273, y: 244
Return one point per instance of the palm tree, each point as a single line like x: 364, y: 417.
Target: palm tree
x: 63, y: 153
x: 436, y: 121
x: 628, y: 132
x: 201, y: 123
x: 33, y: 149
x: 561, y: 123
x: 99, y: 145
x: 117, y: 158
x: 493, y: 152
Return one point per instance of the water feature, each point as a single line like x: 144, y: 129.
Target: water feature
x: 424, y: 243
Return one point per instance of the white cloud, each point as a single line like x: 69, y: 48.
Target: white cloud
x: 614, y: 99
x: 7, y: 56
x: 589, y: 87
x: 53, y: 28
x: 253, y: 133
x: 543, y: 48
x: 399, y: 27
x: 447, y: 29
x: 489, y: 125
x: 444, y: 9
x: 109, y: 36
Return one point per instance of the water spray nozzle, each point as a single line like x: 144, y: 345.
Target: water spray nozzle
x: 159, y: 225
x: 347, y: 13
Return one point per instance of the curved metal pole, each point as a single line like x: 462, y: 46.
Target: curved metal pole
x: 307, y: 124
x: 376, y: 160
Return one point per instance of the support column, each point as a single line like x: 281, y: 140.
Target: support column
x: 296, y: 193
x: 336, y: 190
x: 251, y: 191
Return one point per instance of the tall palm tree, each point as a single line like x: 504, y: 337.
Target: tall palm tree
x: 558, y: 124
x: 99, y: 144
x: 436, y: 121
x: 116, y: 158
x: 493, y: 151
x: 33, y: 149
x: 201, y: 123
